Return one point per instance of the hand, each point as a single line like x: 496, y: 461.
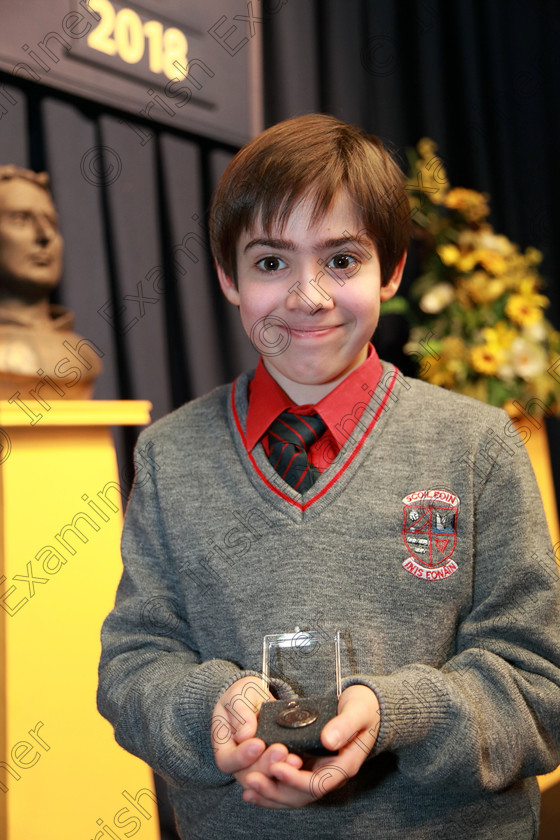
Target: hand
x: 353, y: 732
x: 234, y: 724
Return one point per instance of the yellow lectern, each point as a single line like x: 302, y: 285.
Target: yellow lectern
x: 62, y: 775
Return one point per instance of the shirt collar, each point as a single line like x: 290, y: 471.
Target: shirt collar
x: 267, y: 400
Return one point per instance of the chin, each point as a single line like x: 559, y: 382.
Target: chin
x: 320, y: 378
x: 34, y: 286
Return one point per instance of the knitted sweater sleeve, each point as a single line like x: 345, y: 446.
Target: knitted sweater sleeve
x: 152, y: 686
x: 491, y: 713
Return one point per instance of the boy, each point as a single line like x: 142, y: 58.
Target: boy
x: 410, y: 524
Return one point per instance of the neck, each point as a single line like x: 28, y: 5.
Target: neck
x: 32, y: 312
x: 303, y: 394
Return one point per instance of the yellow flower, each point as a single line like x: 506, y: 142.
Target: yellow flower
x: 525, y: 306
x: 523, y: 310
x: 500, y: 335
x: 437, y: 372
x: 467, y: 262
x: 429, y: 178
x: 426, y: 147
x: 448, y: 254
x: 482, y: 288
x: 453, y: 347
x: 487, y: 358
x: 473, y: 205
x: 493, y: 263
x: 534, y: 256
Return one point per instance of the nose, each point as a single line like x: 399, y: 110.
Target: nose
x: 44, y: 230
x: 309, y: 294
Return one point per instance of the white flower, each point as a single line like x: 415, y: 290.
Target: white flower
x: 506, y: 372
x: 437, y: 298
x: 486, y: 239
x: 535, y: 332
x: 528, y: 359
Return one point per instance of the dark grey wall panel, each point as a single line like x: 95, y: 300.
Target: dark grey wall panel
x: 133, y: 221
x: 194, y: 277
x: 242, y: 356
x: 14, y: 137
x: 86, y: 283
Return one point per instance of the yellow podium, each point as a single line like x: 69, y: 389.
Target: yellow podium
x: 62, y: 775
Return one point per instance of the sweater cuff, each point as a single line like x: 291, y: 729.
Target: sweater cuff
x: 197, y: 697
x: 414, y: 707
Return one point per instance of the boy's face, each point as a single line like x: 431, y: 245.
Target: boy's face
x: 309, y: 296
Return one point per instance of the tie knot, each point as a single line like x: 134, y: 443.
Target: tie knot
x: 301, y: 430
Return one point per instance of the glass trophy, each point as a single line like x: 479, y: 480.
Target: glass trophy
x: 309, y: 662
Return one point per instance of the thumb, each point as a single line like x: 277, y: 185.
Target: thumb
x: 358, y: 714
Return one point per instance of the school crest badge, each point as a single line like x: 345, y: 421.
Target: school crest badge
x: 430, y: 533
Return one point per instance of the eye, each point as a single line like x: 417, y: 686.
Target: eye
x: 270, y: 264
x: 20, y: 217
x: 342, y: 262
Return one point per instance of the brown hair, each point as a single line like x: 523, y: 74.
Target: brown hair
x: 318, y: 155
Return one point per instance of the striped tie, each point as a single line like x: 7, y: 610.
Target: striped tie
x: 289, y: 438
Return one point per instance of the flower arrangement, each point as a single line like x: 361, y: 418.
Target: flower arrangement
x: 477, y: 309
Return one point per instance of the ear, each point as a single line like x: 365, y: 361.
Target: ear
x: 227, y: 286
x: 392, y: 286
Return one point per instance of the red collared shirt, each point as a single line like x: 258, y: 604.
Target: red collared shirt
x: 340, y: 410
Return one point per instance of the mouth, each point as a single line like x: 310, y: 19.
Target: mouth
x: 41, y: 259
x: 313, y: 332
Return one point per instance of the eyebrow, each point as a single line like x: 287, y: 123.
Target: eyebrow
x: 326, y: 244
x: 277, y: 244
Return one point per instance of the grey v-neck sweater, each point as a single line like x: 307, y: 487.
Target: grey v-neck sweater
x: 424, y: 542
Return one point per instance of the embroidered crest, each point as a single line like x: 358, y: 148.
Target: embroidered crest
x: 430, y: 533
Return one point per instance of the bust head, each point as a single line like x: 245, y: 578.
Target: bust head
x: 30, y: 241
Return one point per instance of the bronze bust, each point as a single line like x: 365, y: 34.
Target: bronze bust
x: 38, y: 349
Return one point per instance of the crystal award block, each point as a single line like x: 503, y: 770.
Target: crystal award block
x: 308, y: 661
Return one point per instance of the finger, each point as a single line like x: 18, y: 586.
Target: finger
x: 293, y: 776
x: 355, y: 718
x: 279, y: 752
x: 268, y: 793
x: 226, y: 729
x: 232, y: 757
x: 237, y: 710
x: 271, y: 755
x: 314, y: 784
x: 254, y: 798
x: 328, y: 777
x: 247, y: 729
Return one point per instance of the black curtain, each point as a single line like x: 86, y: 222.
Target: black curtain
x: 480, y: 77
